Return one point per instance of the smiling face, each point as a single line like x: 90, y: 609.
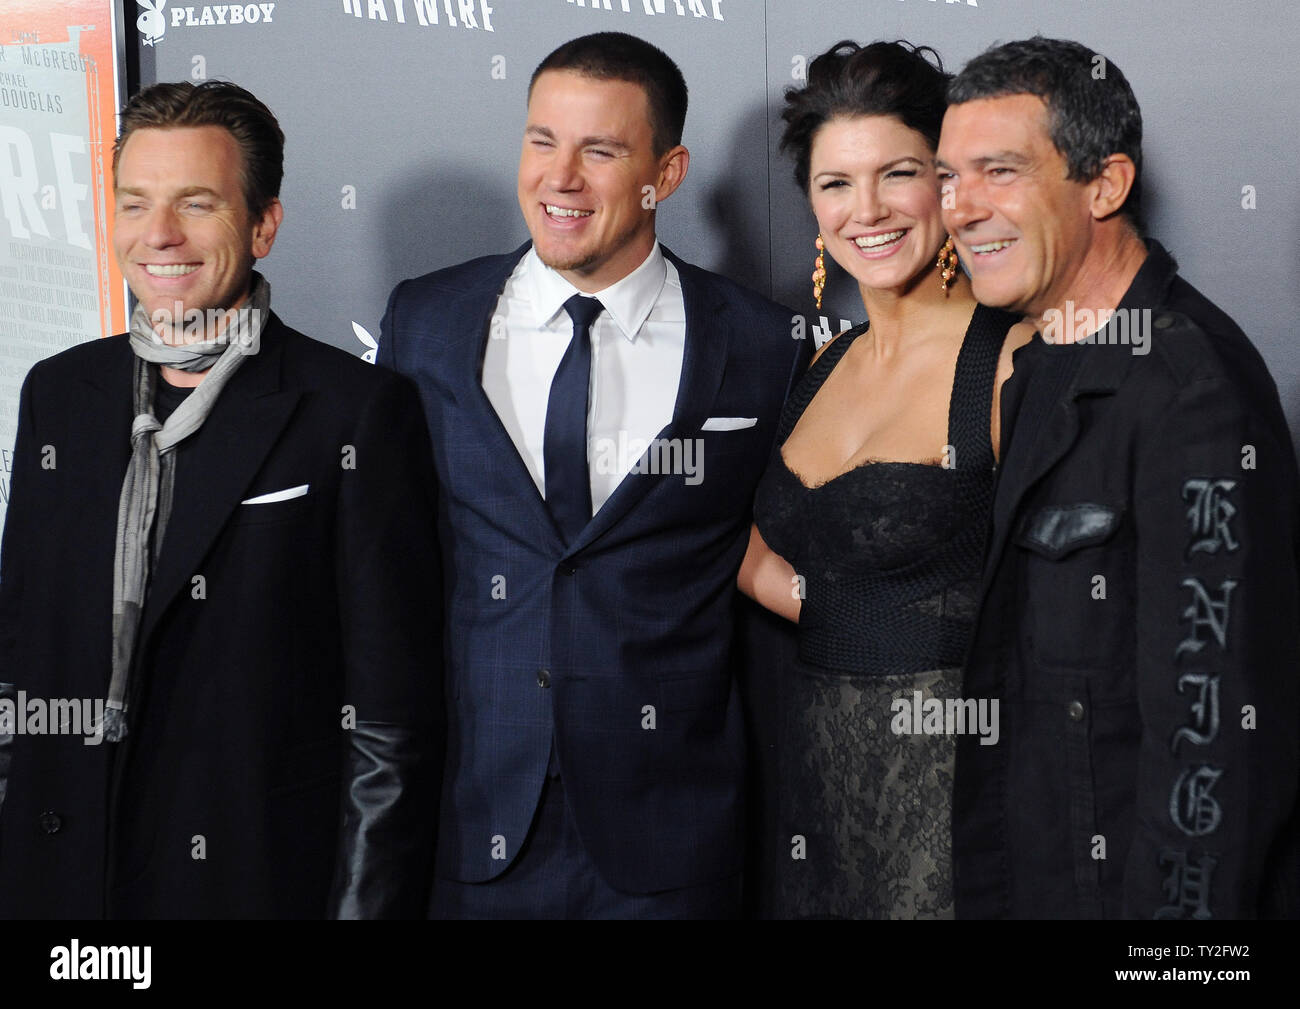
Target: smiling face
x: 873, y: 191
x: 182, y: 232
x: 1022, y: 228
x: 589, y: 178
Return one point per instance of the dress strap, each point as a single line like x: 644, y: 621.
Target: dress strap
x: 971, y: 406
x: 812, y: 380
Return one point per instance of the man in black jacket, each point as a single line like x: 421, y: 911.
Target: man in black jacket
x: 218, y: 563
x: 1139, y: 615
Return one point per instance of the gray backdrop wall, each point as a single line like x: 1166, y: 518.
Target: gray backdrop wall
x: 403, y: 120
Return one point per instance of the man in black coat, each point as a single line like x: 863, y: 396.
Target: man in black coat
x: 219, y: 545
x: 1139, y: 616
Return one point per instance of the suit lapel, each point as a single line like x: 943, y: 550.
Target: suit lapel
x: 104, y: 420
x: 703, y: 363
x: 227, y: 452
x: 477, y: 306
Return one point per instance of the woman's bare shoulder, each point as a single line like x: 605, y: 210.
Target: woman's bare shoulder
x: 826, y: 346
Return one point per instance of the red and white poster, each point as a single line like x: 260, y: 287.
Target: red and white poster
x: 61, y: 80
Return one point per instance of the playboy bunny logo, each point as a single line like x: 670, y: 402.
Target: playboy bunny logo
x: 151, y: 22
x: 368, y: 340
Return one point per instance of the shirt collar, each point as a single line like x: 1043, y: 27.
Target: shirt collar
x: 628, y: 301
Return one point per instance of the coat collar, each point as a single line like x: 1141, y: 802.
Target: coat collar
x: 1098, y: 370
x: 227, y: 451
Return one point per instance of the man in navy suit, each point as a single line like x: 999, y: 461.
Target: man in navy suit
x: 601, y: 412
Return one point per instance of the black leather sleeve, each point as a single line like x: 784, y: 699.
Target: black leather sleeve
x: 390, y: 587
x: 391, y: 780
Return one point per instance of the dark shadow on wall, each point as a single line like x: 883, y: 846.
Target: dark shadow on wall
x: 1152, y: 204
x: 1291, y: 397
x: 737, y: 206
x: 1291, y: 407
x: 434, y: 217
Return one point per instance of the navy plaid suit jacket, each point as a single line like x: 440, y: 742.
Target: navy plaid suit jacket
x: 629, y: 626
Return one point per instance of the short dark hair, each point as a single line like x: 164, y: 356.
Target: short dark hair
x: 1090, y: 115
x: 215, y: 103
x: 617, y: 56
x: 848, y: 80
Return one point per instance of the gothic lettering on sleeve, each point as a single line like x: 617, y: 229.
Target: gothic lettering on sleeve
x: 1191, y: 806
x: 1187, y: 884
x: 1204, y: 708
x: 1210, y: 515
x: 1205, y: 614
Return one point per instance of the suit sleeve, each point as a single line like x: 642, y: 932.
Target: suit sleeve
x: 803, y: 355
x: 390, y: 584
x: 386, y: 356
x: 1218, y: 657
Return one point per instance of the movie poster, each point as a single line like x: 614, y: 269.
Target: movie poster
x: 61, y: 82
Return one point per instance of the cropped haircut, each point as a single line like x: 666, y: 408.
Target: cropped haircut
x: 1092, y: 111
x: 215, y: 103
x: 616, y: 56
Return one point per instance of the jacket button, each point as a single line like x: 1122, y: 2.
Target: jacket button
x: 568, y: 569
x: 51, y: 822
x: 1163, y: 321
x: 543, y: 677
x: 1075, y: 711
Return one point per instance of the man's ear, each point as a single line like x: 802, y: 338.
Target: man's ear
x: 672, y: 170
x: 1112, y: 186
x: 265, y: 228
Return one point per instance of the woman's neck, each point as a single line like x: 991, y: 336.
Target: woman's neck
x: 900, y: 316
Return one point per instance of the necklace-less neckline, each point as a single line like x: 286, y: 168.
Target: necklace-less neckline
x: 969, y: 403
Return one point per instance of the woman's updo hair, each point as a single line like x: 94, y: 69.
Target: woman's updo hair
x: 849, y: 80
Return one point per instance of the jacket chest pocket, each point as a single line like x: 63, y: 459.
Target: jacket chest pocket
x: 281, y: 505
x: 1078, y: 603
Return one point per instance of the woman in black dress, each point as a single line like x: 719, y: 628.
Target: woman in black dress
x: 870, y: 522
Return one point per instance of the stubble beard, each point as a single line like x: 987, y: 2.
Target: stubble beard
x: 575, y: 262
x: 585, y: 260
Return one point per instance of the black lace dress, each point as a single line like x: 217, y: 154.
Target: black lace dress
x: 889, y: 554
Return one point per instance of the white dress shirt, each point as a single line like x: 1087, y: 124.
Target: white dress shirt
x: 637, y: 345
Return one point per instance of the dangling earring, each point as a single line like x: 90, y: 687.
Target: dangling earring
x: 947, y: 264
x: 819, y: 272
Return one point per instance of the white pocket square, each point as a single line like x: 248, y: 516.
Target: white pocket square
x: 728, y: 423
x: 279, y: 495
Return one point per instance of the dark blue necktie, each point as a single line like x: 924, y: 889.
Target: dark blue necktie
x: 564, y: 450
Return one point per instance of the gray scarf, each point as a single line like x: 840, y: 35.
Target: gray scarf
x: 146, y: 501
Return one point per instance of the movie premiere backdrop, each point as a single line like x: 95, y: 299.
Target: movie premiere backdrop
x: 404, y: 121
x: 61, y: 83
